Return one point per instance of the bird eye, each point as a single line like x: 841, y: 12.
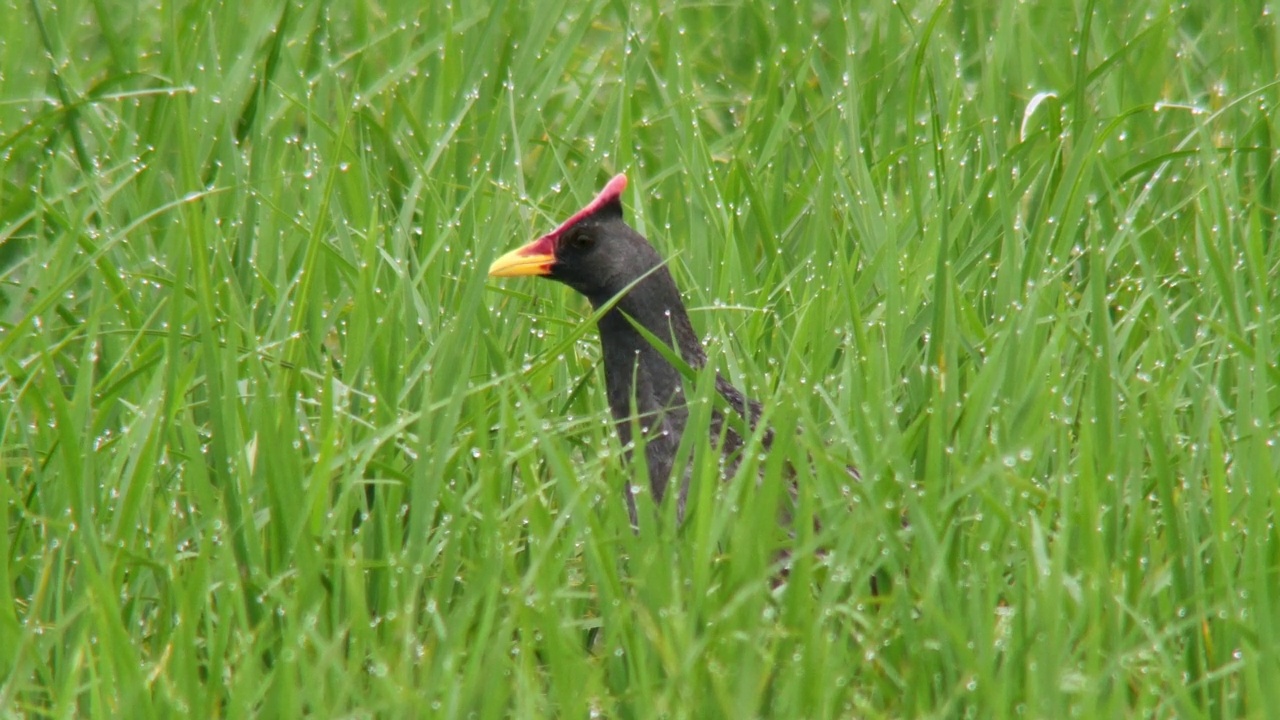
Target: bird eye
x: 580, y: 239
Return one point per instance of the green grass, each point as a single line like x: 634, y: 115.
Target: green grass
x: 1018, y: 262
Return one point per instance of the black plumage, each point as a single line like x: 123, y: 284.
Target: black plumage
x: 596, y: 253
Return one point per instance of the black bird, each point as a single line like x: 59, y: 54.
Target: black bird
x: 600, y: 256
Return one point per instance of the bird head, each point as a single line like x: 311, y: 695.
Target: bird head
x: 593, y: 252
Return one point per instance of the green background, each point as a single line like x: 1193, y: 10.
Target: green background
x: 275, y: 445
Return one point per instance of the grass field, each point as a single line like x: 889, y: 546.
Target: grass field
x: 274, y: 444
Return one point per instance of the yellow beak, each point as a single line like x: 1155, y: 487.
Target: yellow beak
x: 532, y: 259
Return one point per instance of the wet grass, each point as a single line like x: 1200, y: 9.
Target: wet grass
x: 274, y: 444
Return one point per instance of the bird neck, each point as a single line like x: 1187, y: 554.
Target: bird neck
x: 644, y: 390
x: 637, y: 366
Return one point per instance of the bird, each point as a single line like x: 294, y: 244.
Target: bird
x: 599, y: 255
